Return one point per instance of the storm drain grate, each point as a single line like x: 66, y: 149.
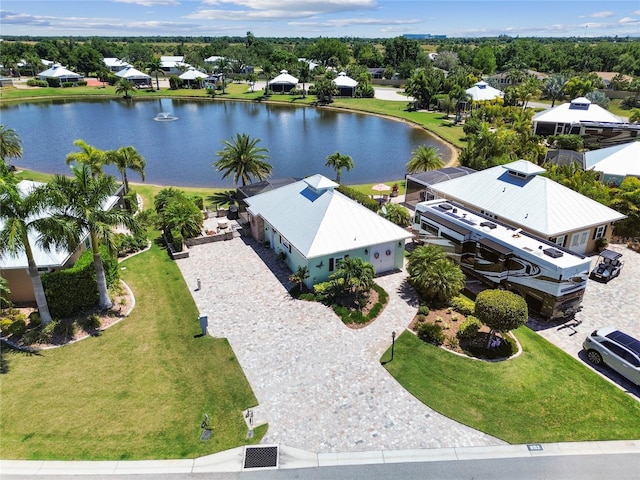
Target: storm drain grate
x: 260, y: 457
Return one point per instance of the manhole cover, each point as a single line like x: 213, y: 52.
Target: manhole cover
x: 260, y: 457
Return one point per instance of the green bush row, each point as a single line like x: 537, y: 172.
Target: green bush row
x: 73, y: 289
x: 34, y: 82
x: 463, y: 305
x: 360, y: 197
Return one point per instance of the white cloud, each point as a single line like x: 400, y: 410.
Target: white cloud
x: 241, y: 10
x: 348, y: 22
x: 604, y: 14
x: 150, y: 3
x: 629, y: 21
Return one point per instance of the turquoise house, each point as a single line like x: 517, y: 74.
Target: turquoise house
x: 309, y: 223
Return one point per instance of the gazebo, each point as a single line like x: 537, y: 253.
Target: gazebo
x: 60, y: 73
x: 483, y: 91
x: 134, y: 75
x: 346, y: 85
x: 283, y: 83
x: 194, y: 78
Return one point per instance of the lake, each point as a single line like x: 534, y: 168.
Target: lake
x: 181, y: 152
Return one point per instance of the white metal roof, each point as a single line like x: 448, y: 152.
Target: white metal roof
x: 284, y: 78
x: 579, y: 109
x: 619, y: 160
x: 484, y: 91
x: 132, y: 73
x: 113, y: 62
x: 342, y: 80
x: 58, y: 71
x: 537, y: 203
x: 193, y: 74
x: 318, y: 220
x: 55, y: 257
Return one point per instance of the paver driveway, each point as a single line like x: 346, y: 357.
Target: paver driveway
x: 319, y: 384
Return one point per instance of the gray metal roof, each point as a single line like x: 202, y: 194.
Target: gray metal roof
x: 432, y: 177
x: 322, y: 221
x: 536, y: 202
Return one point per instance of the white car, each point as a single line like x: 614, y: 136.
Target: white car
x: 617, y: 350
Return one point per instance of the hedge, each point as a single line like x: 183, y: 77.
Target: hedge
x: 359, y: 197
x: 71, y: 290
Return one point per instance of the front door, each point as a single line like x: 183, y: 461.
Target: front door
x: 382, y: 258
x: 579, y: 242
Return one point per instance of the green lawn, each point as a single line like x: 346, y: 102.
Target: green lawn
x: 138, y: 391
x: 542, y: 396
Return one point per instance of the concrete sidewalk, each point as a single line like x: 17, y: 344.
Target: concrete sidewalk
x: 290, y: 458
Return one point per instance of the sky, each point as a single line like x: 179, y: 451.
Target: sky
x: 321, y: 18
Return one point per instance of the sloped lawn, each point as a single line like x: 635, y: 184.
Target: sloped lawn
x: 544, y: 395
x: 137, y: 391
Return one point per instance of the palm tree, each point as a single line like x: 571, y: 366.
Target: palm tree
x: 396, y: 213
x: 299, y: 276
x: 267, y: 71
x: 125, y: 87
x: 304, y: 73
x: 552, y: 88
x: 635, y: 115
x: 355, y: 277
x: 433, y: 275
x: 10, y: 144
x: 423, y: 159
x: 21, y: 215
x: 244, y: 159
x: 89, y: 155
x: 80, y: 201
x: 325, y: 89
x: 126, y: 158
x: 155, y: 66
x: 224, y: 198
x: 338, y: 161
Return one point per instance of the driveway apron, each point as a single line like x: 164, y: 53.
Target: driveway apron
x: 319, y: 384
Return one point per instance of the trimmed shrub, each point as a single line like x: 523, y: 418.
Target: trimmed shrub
x: 423, y: 310
x: 469, y: 328
x: 126, y: 244
x: 18, y: 327
x: 34, y: 320
x: 501, y: 310
x: 67, y: 84
x: 361, y: 198
x: 463, y: 305
x: 53, y: 82
x: 198, y: 200
x: 431, y: 333
x: 81, y: 83
x: 34, y: 82
x: 73, y: 289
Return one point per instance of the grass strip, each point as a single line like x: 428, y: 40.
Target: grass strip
x: 544, y: 395
x: 137, y: 391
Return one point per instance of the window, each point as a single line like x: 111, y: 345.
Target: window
x: 600, y: 231
x: 560, y: 240
x: 619, y: 351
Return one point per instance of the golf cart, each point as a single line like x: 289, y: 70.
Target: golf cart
x: 608, y: 266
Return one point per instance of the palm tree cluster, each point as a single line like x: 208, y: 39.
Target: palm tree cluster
x: 59, y: 214
x: 434, y: 276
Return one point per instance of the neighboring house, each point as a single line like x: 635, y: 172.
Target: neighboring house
x: 15, y: 269
x: 504, y: 79
x: 193, y: 77
x: 376, y: 73
x: 558, y: 120
x: 346, y: 85
x: 418, y: 185
x: 312, y: 225
x: 283, y: 83
x: 60, y: 73
x: 311, y: 63
x: 173, y: 64
x: 607, y: 78
x: 518, y: 195
x: 614, y: 163
x: 213, y: 59
x: 115, y: 64
x: 134, y: 75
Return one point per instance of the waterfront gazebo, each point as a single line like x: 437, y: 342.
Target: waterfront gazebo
x: 346, y: 85
x: 60, y: 73
x: 283, y: 83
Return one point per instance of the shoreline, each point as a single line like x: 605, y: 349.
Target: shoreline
x: 453, y: 151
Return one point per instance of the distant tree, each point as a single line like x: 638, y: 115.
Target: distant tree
x: 155, y: 66
x: 268, y: 72
x: 501, y: 311
x: 125, y: 87
x: 433, y: 275
x: 485, y: 60
x: 527, y: 90
x: 424, y: 158
x: 330, y: 50
x: 446, y: 60
x: 553, y: 88
x: 243, y: 159
x: 400, y: 49
x: 338, y: 161
x: 578, y: 87
x: 304, y: 75
x: 86, y: 59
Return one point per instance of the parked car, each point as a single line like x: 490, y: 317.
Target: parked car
x: 609, y: 266
x: 617, y: 350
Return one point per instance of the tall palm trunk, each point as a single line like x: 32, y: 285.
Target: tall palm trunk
x: 105, y: 302
x: 38, y: 289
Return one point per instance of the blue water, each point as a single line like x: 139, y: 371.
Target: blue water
x: 181, y: 152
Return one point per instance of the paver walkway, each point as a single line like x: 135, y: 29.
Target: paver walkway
x: 319, y: 384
